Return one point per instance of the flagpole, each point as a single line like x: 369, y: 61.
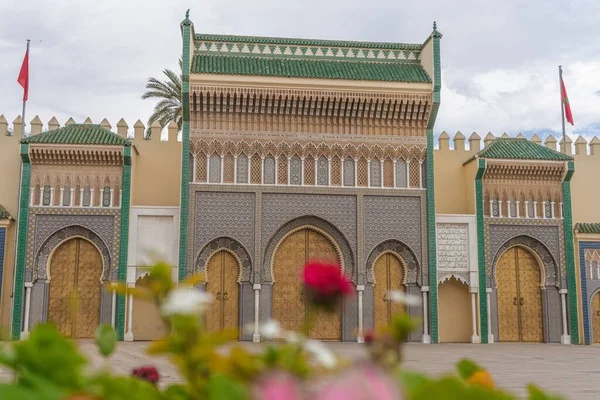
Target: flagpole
x: 562, y: 107
x: 24, y: 101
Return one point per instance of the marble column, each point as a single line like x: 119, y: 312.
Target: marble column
x: 129, y: 332
x: 360, y: 337
x: 488, y: 292
x: 565, y: 337
x: 426, y: 336
x: 256, y: 335
x: 475, y: 337
x: 25, y: 332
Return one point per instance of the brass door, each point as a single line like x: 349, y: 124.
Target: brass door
x: 596, y: 317
x: 75, y: 271
x: 222, y: 273
x: 290, y: 307
x: 519, y: 297
x: 388, y: 276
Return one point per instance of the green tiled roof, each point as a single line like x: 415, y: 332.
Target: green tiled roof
x: 305, y: 68
x: 78, y: 134
x: 306, y: 42
x: 3, y: 213
x: 586, y: 227
x: 519, y: 149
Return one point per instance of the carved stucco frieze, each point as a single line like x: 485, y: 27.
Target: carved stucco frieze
x: 453, y: 251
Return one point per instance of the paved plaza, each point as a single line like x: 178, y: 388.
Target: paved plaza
x: 568, y: 370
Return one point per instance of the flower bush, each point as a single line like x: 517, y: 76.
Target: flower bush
x: 48, y: 366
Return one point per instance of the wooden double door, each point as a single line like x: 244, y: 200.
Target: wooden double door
x: 222, y: 273
x: 290, y: 306
x: 388, y: 275
x: 596, y: 318
x: 519, y: 297
x: 75, y: 289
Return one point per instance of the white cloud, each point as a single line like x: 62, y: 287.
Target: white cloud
x: 499, y: 57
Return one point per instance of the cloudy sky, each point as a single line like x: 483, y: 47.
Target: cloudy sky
x: 499, y: 57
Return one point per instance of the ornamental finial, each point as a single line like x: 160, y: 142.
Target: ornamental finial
x: 187, y: 14
x: 434, y: 26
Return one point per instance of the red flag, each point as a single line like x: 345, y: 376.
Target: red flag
x: 23, y: 78
x: 565, y: 100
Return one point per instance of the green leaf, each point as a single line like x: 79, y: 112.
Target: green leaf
x: 177, y: 392
x: 466, y: 368
x: 535, y: 393
x: 14, y: 392
x: 412, y: 381
x: 106, y: 339
x: 220, y: 387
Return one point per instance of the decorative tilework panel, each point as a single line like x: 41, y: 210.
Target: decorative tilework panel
x: 234, y: 247
x: 309, y: 170
x: 242, y: 169
x: 255, y: 169
x: 349, y: 172
x: 201, y: 172
x: 295, y: 171
x: 393, y: 218
x: 375, y: 172
x: 269, y: 171
x: 222, y: 214
x: 548, y: 235
x: 338, y: 210
x: 106, y: 197
x: 408, y: 259
x: 388, y: 172
x: 214, y: 175
x: 401, y: 181
x: 228, y: 168
x: 323, y: 171
x: 46, y: 198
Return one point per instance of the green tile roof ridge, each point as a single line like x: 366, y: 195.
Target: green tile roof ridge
x: 587, y: 227
x: 305, y: 42
x: 309, y: 68
x: 519, y: 149
x: 4, y: 214
x: 78, y: 134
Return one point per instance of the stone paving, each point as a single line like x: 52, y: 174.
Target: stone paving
x: 567, y: 370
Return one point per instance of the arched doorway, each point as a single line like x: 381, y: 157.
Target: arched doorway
x: 596, y: 318
x: 455, y: 315
x: 75, y: 289
x: 388, y: 275
x: 519, y: 297
x: 290, y: 307
x: 222, y: 282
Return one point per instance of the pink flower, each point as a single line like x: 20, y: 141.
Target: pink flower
x: 147, y: 373
x: 363, y: 383
x: 277, y: 386
x: 369, y: 336
x: 326, y: 284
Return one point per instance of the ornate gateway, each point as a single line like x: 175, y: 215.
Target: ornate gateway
x: 74, y: 300
x: 519, y: 297
x: 289, y: 300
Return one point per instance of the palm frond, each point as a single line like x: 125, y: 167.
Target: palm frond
x: 169, y: 108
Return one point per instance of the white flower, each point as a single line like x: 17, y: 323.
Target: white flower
x: 186, y: 300
x: 291, y: 337
x: 398, y: 296
x: 271, y: 329
x: 322, y: 354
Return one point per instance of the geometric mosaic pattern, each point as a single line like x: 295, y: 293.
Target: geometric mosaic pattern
x: 234, y: 247
x: 405, y: 254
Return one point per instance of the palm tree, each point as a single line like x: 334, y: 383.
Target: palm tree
x: 169, y: 108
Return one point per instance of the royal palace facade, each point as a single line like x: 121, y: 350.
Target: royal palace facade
x: 293, y: 150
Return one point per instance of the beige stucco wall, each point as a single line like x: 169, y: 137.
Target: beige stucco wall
x: 156, y: 170
x: 585, y: 192
x: 454, y: 183
x: 10, y: 170
x: 454, y: 312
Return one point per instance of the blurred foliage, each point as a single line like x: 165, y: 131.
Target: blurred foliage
x: 48, y: 366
